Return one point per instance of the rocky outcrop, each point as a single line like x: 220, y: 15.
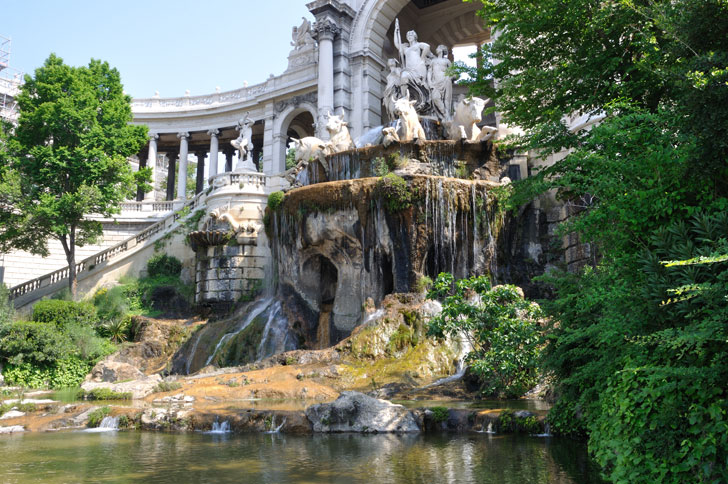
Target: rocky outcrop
x: 155, y: 341
x: 357, y: 412
x: 338, y: 243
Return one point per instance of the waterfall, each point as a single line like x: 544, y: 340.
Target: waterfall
x: 273, y: 428
x: 276, y: 337
x: 546, y: 431
x: 373, y: 316
x: 254, y: 312
x: 108, y: 424
x: 193, y: 351
x: 219, y: 428
x: 372, y: 137
x: 460, y: 366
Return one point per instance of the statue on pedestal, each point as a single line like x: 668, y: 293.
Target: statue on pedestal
x: 244, y: 145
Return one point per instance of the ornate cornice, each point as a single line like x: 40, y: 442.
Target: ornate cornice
x: 310, y: 97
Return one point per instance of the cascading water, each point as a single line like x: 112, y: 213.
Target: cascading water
x: 254, y: 312
x: 219, y: 427
x: 275, y: 429
x: 108, y: 424
x: 372, y: 137
x: 276, y: 335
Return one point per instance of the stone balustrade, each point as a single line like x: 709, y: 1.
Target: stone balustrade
x: 170, y: 104
x: 109, y: 254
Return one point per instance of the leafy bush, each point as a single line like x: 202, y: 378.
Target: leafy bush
x: 106, y: 394
x: 440, y: 414
x: 95, y: 417
x: 502, y: 328
x: 663, y: 425
x: 64, y: 313
x: 275, y: 199
x: 394, y: 192
x: 164, y: 265
x: 7, y: 310
x: 65, y: 373
x: 34, y: 343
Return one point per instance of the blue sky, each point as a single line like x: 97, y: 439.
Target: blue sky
x: 158, y: 45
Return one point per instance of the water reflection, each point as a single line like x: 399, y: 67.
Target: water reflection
x: 343, y: 458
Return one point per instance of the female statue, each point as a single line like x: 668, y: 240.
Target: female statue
x: 440, y: 83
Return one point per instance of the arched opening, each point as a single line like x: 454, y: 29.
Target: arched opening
x: 445, y: 22
x: 320, y: 278
x: 297, y: 122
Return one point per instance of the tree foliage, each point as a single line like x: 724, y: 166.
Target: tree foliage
x: 501, y: 327
x: 67, y: 158
x: 638, y: 344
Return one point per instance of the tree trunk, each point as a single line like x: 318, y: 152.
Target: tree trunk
x: 69, y: 247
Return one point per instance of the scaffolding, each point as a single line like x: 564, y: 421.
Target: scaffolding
x: 10, y: 81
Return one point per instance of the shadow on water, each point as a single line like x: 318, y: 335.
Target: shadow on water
x: 279, y: 458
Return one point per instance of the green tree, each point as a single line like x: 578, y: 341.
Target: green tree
x: 501, y: 327
x: 638, y: 343
x: 67, y: 158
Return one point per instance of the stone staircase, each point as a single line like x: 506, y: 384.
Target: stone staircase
x: 101, y: 262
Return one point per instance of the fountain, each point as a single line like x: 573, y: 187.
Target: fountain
x: 344, y: 233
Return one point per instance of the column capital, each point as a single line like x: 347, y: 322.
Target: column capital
x: 183, y: 135
x: 213, y: 132
x: 325, y: 29
x: 153, y: 136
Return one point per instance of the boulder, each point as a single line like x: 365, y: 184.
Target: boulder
x: 139, y: 388
x: 357, y: 412
x: 113, y: 371
x: 12, y: 414
x: 12, y: 429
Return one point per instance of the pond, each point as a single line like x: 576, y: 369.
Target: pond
x: 151, y: 457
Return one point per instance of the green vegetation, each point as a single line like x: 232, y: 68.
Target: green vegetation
x: 638, y: 344
x: 290, y: 158
x: 65, y: 339
x: 104, y: 394
x: 167, y: 386
x: 95, y: 417
x: 501, y: 326
x: 440, y: 414
x: 66, y: 158
x: 384, y: 165
x: 163, y: 265
x: 275, y: 199
x: 394, y: 192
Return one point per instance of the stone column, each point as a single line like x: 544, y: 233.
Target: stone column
x: 142, y: 156
x: 171, y: 173
x: 152, y: 163
x: 182, y: 171
x: 214, y: 149
x: 200, y: 180
x: 268, y: 140
x: 229, y: 152
x: 325, y: 31
x: 279, y: 153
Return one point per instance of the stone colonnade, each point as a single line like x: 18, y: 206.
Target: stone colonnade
x: 204, y: 144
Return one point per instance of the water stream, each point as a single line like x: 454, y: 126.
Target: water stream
x: 168, y: 458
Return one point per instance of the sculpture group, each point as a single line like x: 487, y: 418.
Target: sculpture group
x: 419, y: 86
